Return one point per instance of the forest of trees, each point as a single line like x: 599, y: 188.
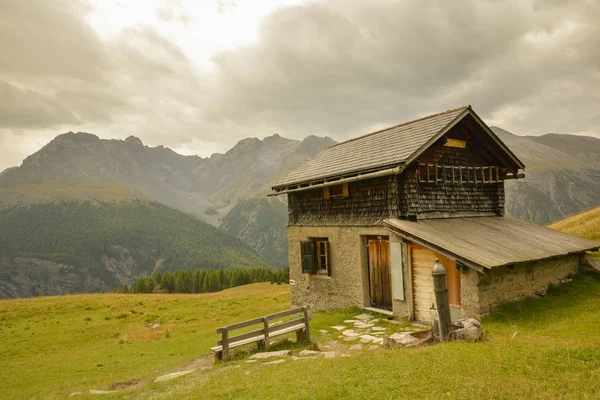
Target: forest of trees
x: 204, y: 280
x: 144, y: 235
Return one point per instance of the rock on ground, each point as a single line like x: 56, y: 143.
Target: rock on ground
x: 357, y: 346
x: 467, y: 330
x: 363, y: 317
x: 350, y: 333
x: 75, y: 394
x: 402, y: 339
x: 338, y: 327
x: 173, y: 375
x: 274, y: 362
x: 269, y: 354
x: 307, y: 353
x: 368, y: 338
x: 329, y: 354
x: 378, y: 328
x: 94, y: 391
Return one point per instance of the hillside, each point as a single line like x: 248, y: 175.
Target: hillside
x: 562, y: 176
x: 229, y: 190
x: 83, y: 166
x: 544, y: 348
x: 585, y: 225
x: 78, y: 246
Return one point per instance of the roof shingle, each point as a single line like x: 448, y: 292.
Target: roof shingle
x: 492, y: 242
x: 373, y: 151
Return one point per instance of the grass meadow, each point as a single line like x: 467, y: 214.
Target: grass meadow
x: 544, y: 348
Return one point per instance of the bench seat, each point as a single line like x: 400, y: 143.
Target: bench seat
x: 240, y: 343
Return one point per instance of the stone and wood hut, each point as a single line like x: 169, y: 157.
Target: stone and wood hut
x: 369, y: 216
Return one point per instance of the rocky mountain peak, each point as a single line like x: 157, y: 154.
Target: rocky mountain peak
x: 134, y: 141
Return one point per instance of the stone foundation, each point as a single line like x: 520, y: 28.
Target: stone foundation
x: 513, y: 283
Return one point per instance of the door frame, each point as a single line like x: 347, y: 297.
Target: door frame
x: 411, y: 290
x: 386, y: 238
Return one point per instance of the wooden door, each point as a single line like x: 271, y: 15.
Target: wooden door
x: 422, y: 260
x: 423, y: 296
x: 380, y: 276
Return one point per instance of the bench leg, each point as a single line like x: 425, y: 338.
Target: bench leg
x: 219, y: 355
x: 302, y: 337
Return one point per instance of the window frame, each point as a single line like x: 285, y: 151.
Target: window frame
x: 317, y: 251
x: 341, y: 191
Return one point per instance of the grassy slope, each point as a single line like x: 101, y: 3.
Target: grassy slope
x: 50, y: 349
x: 148, y: 230
x: 537, y: 349
x: 68, y: 190
x: 586, y: 225
x: 542, y: 348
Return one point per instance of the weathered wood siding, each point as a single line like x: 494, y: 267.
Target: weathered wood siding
x: 443, y: 199
x: 369, y: 203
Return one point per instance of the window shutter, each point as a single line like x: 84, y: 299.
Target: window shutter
x: 328, y: 257
x: 326, y: 192
x: 345, y: 192
x: 307, y: 251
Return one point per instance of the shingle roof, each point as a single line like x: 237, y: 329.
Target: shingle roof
x: 490, y: 242
x: 374, y: 151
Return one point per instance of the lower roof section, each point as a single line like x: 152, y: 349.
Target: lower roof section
x: 489, y: 242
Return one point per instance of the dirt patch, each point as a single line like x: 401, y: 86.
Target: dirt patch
x: 199, y: 363
x: 132, y: 384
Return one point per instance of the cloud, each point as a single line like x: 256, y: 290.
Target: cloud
x: 48, y: 38
x: 58, y: 75
x: 338, y: 68
x: 342, y: 67
x: 26, y: 108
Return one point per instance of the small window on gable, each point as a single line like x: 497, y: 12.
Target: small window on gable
x: 336, y: 191
x: 315, y: 256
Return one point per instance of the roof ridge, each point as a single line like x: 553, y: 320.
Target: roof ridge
x: 402, y: 124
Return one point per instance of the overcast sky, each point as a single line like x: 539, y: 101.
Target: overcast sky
x: 199, y: 75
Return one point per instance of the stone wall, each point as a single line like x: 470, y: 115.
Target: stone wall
x: 469, y: 293
x: 507, y: 284
x: 347, y: 285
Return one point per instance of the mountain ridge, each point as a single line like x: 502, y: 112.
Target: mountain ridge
x: 229, y: 189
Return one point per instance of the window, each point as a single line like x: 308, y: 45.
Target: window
x: 315, y: 256
x: 335, y: 191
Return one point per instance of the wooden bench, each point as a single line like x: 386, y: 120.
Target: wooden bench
x: 269, y: 329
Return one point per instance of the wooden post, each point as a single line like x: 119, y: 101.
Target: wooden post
x: 225, y: 343
x: 266, y: 327
x: 306, y: 335
x: 441, y: 299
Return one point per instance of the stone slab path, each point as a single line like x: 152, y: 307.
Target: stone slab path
x: 173, y: 375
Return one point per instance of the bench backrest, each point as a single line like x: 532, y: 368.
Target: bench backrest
x: 267, y: 326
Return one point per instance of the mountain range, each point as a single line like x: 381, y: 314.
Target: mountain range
x: 229, y: 190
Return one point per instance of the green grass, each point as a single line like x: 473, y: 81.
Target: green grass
x: 536, y: 349
x: 53, y: 346
x: 585, y: 225
x: 545, y: 348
